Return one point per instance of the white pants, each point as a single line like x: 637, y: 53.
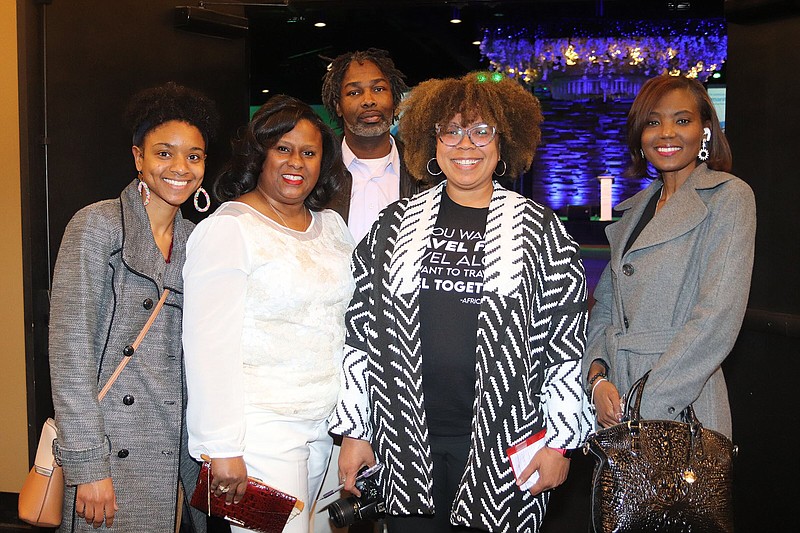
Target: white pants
x: 289, y: 454
x: 320, y: 523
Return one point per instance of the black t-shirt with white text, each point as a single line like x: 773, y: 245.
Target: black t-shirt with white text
x: 450, y: 297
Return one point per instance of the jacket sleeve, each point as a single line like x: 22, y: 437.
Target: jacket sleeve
x: 563, y: 298
x: 215, y: 283
x: 703, y: 342
x: 599, y: 320
x: 351, y: 417
x: 77, y: 338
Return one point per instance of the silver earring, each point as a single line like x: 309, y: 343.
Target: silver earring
x: 197, y: 194
x: 143, y: 187
x: 436, y: 166
x: 704, y: 154
x: 505, y: 167
x: 641, y: 152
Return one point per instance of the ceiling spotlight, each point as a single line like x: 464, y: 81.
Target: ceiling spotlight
x: 319, y: 24
x: 265, y: 91
x: 456, y: 17
x: 476, y: 43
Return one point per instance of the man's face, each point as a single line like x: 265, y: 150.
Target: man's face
x: 365, y: 102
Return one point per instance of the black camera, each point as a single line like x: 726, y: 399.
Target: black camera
x: 347, y: 511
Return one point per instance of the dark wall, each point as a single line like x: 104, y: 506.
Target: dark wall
x: 80, y: 61
x: 762, y: 371
x: 99, y: 53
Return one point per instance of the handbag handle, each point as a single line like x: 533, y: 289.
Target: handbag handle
x: 633, y: 408
x: 126, y: 359
x: 632, y: 416
x: 633, y: 399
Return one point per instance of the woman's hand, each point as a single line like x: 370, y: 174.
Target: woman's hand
x: 608, y: 404
x: 229, y: 477
x: 355, y: 454
x: 96, y: 502
x: 553, y: 469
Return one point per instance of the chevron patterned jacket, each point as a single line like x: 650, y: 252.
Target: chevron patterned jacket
x: 531, y: 336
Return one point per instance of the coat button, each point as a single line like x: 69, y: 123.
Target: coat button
x: 147, y: 303
x: 123, y: 453
x: 627, y: 269
x: 127, y: 351
x: 671, y: 410
x: 128, y: 399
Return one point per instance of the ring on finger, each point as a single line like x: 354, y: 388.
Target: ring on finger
x: 223, y: 489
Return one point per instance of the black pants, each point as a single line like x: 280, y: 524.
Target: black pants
x: 449, y: 456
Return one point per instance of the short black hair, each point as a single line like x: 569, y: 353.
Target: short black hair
x: 332, y: 81
x: 272, y: 121
x: 152, y: 107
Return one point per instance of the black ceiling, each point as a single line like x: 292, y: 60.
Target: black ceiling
x: 289, y: 55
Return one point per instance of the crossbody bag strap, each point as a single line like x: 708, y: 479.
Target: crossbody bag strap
x: 135, y: 345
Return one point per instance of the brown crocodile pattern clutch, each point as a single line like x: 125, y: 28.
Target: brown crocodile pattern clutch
x: 262, y: 508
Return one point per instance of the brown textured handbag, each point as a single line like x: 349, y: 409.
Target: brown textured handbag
x: 41, y: 500
x: 660, y: 475
x: 262, y: 508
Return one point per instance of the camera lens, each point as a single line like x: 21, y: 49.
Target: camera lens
x: 343, y: 512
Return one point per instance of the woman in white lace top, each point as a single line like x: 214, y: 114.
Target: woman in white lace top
x: 267, y: 282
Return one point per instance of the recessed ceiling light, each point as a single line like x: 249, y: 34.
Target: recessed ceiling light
x: 476, y: 43
x: 265, y: 91
x: 320, y: 24
x: 456, y: 17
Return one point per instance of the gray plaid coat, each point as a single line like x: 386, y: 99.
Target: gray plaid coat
x: 108, y: 277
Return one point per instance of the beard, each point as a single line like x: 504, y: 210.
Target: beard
x: 369, y: 130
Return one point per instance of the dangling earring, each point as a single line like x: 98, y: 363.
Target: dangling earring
x: 641, y: 153
x: 435, y: 165
x: 197, y: 194
x: 143, y: 186
x: 505, y: 167
x: 704, y: 154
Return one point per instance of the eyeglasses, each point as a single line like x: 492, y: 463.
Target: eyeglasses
x: 451, y: 135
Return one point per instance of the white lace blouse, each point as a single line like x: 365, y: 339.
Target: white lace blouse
x: 263, y: 321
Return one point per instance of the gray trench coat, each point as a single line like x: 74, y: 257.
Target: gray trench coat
x: 674, y: 302
x: 109, y: 274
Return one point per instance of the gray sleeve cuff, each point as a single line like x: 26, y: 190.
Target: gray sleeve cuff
x: 84, y: 466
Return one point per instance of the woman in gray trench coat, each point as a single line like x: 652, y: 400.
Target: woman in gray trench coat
x: 124, y: 457
x: 674, y: 293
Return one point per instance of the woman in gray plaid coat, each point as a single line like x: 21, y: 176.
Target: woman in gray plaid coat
x: 125, y: 456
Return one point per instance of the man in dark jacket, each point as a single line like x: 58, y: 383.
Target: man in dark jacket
x: 363, y: 90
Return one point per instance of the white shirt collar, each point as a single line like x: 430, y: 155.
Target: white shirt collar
x: 349, y: 158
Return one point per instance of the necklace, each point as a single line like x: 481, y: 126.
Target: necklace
x: 283, y: 220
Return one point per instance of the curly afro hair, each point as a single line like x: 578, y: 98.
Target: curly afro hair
x: 497, y: 100
x: 332, y: 81
x: 152, y: 107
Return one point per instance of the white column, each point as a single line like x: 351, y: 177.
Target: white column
x: 605, y: 196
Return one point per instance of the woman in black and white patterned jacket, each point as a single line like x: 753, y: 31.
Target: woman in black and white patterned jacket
x: 468, y: 323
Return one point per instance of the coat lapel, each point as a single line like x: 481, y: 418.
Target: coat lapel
x: 503, y: 255
x: 633, y: 207
x: 684, y: 212
x: 139, y: 250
